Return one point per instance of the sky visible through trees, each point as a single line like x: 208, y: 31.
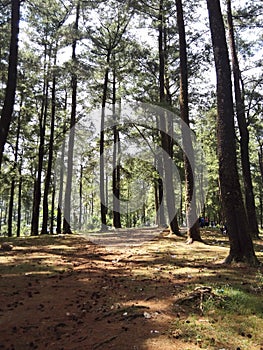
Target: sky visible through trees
x: 115, y: 71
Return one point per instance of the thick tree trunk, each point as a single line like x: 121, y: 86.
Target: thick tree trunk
x: 241, y: 245
x: 244, y: 133
x: 9, y: 101
x: 193, y: 232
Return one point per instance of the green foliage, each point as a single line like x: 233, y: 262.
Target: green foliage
x: 121, y: 36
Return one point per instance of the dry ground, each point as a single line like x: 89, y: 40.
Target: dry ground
x: 67, y: 293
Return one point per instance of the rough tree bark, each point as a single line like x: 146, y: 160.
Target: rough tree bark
x: 241, y: 245
x: 243, y: 129
x: 9, y: 101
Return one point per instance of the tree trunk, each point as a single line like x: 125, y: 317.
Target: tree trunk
x: 193, y: 232
x: 241, y: 245
x: 38, y: 180
x: 19, y: 200
x: 244, y: 133
x: 116, y: 161
x: 166, y: 139
x: 103, y: 206
x: 260, y: 160
x: 261, y: 207
x: 9, y: 101
x: 74, y: 84
x: 80, y: 196
x: 52, y: 209
x: 158, y: 190
x: 10, y: 208
x: 13, y: 182
x: 44, y: 230
x: 61, y: 180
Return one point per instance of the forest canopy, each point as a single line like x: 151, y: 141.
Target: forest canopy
x: 73, y: 75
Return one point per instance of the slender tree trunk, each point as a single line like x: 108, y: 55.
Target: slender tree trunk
x: 52, y: 208
x: 19, y: 200
x: 10, y: 209
x: 38, y: 180
x: 80, y: 196
x: 9, y: 101
x: 1, y: 217
x: 103, y: 206
x: 116, y: 161
x: 260, y: 160
x: 166, y: 139
x: 158, y: 193
x: 74, y: 84
x: 61, y: 180
x: 261, y: 207
x: 241, y: 245
x: 244, y: 134
x: 193, y: 232
x: 44, y: 230
x: 13, y: 182
x: 161, y: 212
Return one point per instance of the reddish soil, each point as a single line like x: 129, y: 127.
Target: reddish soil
x: 66, y: 293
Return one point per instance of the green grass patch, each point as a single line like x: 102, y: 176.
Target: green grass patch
x: 229, y: 317
x: 229, y: 299
x: 220, y: 331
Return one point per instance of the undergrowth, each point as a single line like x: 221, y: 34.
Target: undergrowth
x: 231, y: 318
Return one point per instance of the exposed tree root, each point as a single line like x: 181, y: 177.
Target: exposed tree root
x: 251, y: 260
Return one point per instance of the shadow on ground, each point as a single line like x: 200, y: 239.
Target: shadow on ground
x: 65, y: 292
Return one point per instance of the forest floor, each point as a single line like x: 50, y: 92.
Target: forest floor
x: 66, y: 292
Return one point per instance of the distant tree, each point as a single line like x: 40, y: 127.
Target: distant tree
x: 241, y: 245
x: 107, y: 39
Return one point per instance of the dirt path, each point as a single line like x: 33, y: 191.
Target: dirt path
x: 66, y: 293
